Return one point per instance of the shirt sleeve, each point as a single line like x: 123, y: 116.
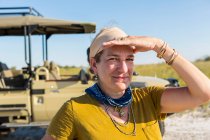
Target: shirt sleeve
x: 156, y: 94
x: 62, y: 125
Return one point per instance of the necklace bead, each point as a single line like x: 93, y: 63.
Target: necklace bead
x: 120, y: 111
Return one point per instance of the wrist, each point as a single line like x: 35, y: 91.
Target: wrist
x: 158, y: 45
x: 170, y: 55
x: 165, y: 52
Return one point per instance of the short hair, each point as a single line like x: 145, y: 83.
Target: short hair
x: 97, y: 56
x: 88, y: 54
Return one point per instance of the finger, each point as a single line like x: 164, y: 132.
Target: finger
x: 134, y: 49
x: 122, y: 38
x: 108, y: 44
x: 119, y: 41
x: 111, y: 43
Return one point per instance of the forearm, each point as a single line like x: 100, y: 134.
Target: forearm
x: 197, y: 83
x: 173, y: 99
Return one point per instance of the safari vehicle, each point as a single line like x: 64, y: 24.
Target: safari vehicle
x: 34, y: 94
x: 31, y: 96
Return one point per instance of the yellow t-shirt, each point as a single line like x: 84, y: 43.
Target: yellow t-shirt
x: 82, y: 118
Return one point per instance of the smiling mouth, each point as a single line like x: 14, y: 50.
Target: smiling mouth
x: 120, y: 77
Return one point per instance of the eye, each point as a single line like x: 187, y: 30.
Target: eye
x: 113, y: 59
x: 130, y: 59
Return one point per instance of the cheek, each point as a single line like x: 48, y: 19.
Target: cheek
x: 106, y: 69
x: 111, y: 67
x: 130, y: 66
x: 107, y: 66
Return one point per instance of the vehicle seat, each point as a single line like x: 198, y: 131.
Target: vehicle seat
x: 47, y: 64
x: 7, y: 74
x: 9, y: 80
x: 7, y: 77
x: 54, y: 72
x: 42, y: 73
x: 2, y: 83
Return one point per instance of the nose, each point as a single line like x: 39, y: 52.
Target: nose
x: 123, y: 66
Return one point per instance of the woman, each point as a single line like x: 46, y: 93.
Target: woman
x: 111, y: 110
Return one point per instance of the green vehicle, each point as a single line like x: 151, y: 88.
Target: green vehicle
x: 31, y: 96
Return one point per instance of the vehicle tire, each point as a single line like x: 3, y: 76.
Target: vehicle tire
x: 162, y: 127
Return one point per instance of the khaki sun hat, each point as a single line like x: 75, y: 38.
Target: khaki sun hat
x: 106, y: 34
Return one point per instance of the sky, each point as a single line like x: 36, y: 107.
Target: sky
x: 184, y: 24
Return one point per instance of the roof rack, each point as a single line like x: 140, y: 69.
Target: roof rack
x: 21, y: 11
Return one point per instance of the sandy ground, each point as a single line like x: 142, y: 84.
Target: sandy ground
x: 189, y: 125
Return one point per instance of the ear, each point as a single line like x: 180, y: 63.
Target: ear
x: 93, y: 65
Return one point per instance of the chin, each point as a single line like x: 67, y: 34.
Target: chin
x: 122, y: 86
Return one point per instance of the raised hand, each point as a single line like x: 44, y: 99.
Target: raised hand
x: 138, y: 43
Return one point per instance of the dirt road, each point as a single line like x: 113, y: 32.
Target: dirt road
x: 189, y: 125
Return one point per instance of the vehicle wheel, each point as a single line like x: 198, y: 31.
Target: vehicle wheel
x: 162, y: 127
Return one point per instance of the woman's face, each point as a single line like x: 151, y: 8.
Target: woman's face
x: 115, y: 70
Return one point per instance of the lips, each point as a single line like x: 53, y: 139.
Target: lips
x: 121, y: 77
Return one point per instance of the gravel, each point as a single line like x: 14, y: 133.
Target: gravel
x: 189, y: 125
